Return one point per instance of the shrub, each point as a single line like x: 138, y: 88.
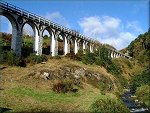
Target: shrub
x: 71, y: 55
x: 63, y: 86
x: 129, y: 64
x: 100, y: 62
x: 140, y: 79
x: 57, y: 57
x: 89, y: 58
x: 36, y: 58
x: 108, y: 105
x: 79, y: 55
x: 143, y: 94
x: 114, y: 69
x: 10, y: 58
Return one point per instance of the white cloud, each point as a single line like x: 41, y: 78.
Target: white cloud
x: 57, y: 18
x: 108, y: 30
x: 134, y: 26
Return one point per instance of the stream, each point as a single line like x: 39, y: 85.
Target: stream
x: 134, y: 105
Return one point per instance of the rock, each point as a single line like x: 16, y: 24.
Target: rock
x: 80, y: 72
x: 45, y: 75
x: 76, y: 76
x: 43, y: 62
x: 136, y: 100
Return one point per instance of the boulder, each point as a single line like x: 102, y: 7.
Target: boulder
x: 45, y: 75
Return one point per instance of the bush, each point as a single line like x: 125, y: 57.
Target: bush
x: 10, y: 58
x: 71, y: 55
x: 108, y: 105
x: 63, y: 86
x: 143, y: 94
x: 100, y: 62
x: 129, y: 64
x: 79, y: 55
x: 140, y: 79
x: 57, y: 57
x: 89, y: 58
x: 114, y: 69
x: 36, y: 58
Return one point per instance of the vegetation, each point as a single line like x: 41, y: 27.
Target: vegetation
x: 36, y: 58
x: 140, y: 79
x: 10, y: 58
x: 143, y: 94
x: 140, y: 48
x: 108, y: 105
x: 28, y: 91
x: 64, y: 86
x: 89, y: 58
x: 102, y: 58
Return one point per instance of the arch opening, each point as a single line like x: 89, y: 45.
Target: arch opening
x: 61, y: 44
x: 5, y: 33
x: 47, y: 40
x: 28, y: 39
x: 72, y: 44
x: 80, y: 45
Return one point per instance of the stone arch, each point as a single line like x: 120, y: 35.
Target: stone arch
x: 61, y: 38
x: 16, y: 39
x: 11, y: 18
x: 53, y: 44
x: 47, y: 44
x: 33, y: 43
x: 33, y: 26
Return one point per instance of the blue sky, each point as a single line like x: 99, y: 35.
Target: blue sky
x: 116, y: 22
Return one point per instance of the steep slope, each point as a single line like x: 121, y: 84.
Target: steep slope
x: 140, y: 48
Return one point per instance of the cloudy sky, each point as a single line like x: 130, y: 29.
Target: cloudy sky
x: 116, y: 22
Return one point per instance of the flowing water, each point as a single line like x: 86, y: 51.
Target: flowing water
x: 134, y: 105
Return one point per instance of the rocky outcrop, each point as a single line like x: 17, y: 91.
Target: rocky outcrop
x: 75, y: 73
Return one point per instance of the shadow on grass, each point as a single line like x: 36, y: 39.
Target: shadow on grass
x: 46, y: 111
x: 2, y: 110
x: 50, y: 112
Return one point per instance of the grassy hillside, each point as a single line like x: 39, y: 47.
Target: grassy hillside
x: 75, y: 83
x: 24, y: 89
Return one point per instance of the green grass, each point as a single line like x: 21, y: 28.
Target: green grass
x: 31, y: 94
x: 143, y: 94
x: 42, y: 96
x: 21, y: 98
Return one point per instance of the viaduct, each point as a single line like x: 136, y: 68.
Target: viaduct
x: 19, y: 17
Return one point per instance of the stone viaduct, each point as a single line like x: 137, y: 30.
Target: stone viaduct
x: 19, y: 17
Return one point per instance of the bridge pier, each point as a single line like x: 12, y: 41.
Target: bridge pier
x: 65, y: 46
x: 69, y: 42
x: 38, y: 41
x: 54, y: 46
x: 16, y: 40
x: 84, y: 46
x: 75, y: 46
x: 91, y: 47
